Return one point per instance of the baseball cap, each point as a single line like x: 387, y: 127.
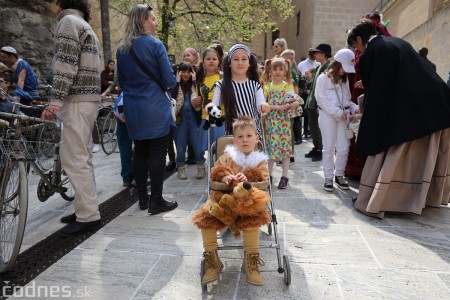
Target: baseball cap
x: 9, y: 50
x: 347, y: 59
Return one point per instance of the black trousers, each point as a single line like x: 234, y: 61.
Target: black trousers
x: 314, y: 128
x: 150, y: 159
x: 297, y: 129
x: 171, y: 148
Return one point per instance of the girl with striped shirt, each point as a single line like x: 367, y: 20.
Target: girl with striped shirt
x: 239, y: 91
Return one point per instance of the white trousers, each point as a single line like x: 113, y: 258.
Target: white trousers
x: 76, y: 156
x: 334, y: 142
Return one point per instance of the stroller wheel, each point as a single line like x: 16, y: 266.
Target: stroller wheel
x: 202, y: 272
x: 287, y: 270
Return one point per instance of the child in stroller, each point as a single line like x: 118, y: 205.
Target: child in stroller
x: 239, y: 163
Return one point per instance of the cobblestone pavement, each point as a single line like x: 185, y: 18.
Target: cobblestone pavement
x: 334, y: 251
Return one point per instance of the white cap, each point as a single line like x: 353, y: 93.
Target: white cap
x: 347, y: 58
x: 8, y: 50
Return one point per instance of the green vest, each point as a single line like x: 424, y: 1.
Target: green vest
x: 311, y: 102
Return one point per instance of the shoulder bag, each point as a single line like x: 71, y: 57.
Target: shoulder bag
x: 172, y: 102
x: 348, y: 131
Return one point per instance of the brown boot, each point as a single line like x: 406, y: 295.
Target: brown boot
x: 201, y: 172
x: 251, y: 262
x: 182, y: 172
x: 213, y: 266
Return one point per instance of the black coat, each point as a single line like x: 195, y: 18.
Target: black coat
x: 405, y: 99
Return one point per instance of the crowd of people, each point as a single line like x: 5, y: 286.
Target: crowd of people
x: 363, y: 108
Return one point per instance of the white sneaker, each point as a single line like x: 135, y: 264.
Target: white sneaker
x: 96, y: 148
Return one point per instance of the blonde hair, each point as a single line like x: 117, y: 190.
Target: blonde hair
x: 193, y: 52
x: 273, y: 63
x: 281, y: 42
x: 135, y: 26
x: 289, y: 54
x: 242, y: 122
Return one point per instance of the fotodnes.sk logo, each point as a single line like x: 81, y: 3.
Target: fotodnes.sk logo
x: 32, y: 290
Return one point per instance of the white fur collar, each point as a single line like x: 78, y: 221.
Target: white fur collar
x: 245, y: 161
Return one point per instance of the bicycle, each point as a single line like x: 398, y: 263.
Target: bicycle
x: 107, y: 125
x: 17, y: 155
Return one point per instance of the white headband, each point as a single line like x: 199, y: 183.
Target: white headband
x: 236, y: 47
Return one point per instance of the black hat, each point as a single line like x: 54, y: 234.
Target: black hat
x: 375, y: 15
x: 325, y: 48
x: 423, y: 51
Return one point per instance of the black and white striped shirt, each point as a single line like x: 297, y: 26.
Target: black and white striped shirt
x: 249, y: 97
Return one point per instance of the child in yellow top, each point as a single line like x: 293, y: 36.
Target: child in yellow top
x: 277, y: 123
x: 207, y: 75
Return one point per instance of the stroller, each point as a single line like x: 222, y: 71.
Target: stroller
x: 215, y: 151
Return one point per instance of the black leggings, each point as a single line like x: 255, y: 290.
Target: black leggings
x: 150, y: 157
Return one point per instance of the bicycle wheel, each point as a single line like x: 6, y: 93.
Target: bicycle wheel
x: 108, y: 133
x: 68, y: 195
x: 102, y: 114
x: 48, y: 137
x: 14, y: 206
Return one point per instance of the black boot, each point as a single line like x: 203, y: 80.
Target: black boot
x: 171, y: 166
x: 143, y: 201
x: 160, y: 205
x: 317, y: 155
x: 311, y: 153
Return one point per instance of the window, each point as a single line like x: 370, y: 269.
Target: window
x: 298, y: 23
x: 275, y: 34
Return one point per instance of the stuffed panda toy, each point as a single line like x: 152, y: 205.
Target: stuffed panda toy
x: 214, y: 118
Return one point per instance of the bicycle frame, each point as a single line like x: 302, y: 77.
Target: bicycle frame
x: 16, y: 133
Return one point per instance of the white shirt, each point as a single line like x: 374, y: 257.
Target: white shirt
x: 307, y: 64
x: 334, y: 99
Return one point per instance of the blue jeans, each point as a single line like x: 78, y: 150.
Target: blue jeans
x: 188, y: 131
x: 125, y: 148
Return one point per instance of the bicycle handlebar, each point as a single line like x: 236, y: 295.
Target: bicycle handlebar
x: 11, y: 116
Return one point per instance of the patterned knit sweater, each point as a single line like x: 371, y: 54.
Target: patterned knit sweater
x: 76, y: 63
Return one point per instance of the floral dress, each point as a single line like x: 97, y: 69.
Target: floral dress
x: 277, y: 125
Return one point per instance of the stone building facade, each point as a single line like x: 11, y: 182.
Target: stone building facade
x: 423, y: 23
x: 314, y: 22
x: 29, y: 25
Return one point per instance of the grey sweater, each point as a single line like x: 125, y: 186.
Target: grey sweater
x: 76, y: 62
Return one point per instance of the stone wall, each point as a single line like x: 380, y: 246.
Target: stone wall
x: 407, y: 15
x: 28, y: 26
x: 434, y: 34
x: 321, y: 21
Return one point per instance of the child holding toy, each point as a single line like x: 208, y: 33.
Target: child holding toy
x: 240, y: 164
x: 277, y: 127
x: 207, y: 76
x: 239, y: 91
x: 334, y: 99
